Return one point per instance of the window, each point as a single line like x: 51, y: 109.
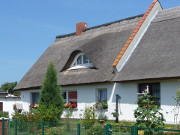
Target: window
x: 64, y: 96
x: 81, y: 61
x: 154, y: 90
x: 102, y: 95
x: 101, y: 99
x: 70, y: 97
x: 35, y: 98
x: 1, y: 106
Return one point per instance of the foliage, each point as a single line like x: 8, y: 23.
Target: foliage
x: 89, y: 117
x: 50, y: 95
x: 101, y: 105
x: 26, y: 116
x: 96, y: 130
x: 27, y: 120
x: 177, y: 107
x: 4, y: 114
x: 121, y: 126
x: 9, y: 88
x: 70, y: 105
x: 67, y: 116
x: 102, y: 116
x: 50, y: 114
x: 54, y: 131
x: 148, y: 113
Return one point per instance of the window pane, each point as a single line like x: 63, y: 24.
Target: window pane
x: 79, y: 60
x: 154, y: 90
x: 102, y: 95
x: 85, y: 59
x: 142, y: 87
x: 64, y: 96
x: 35, y: 98
x: 1, y: 106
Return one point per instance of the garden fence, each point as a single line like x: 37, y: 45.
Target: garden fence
x: 22, y: 127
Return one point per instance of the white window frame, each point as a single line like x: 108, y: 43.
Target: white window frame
x: 83, y: 65
x: 67, y: 95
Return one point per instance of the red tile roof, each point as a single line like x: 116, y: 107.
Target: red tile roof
x: 133, y: 34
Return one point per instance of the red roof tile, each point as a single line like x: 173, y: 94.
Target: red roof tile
x: 133, y: 34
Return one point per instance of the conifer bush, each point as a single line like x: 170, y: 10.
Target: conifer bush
x: 50, y: 96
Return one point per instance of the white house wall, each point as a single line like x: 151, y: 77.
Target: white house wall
x: 8, y: 104
x: 26, y: 98
x: 87, y: 96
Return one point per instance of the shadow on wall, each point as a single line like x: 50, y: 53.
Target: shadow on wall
x: 127, y: 91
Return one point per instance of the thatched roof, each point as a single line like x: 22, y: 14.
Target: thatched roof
x: 158, y: 54
x: 101, y: 44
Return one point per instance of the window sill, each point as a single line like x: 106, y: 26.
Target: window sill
x: 81, y: 66
x: 72, y: 109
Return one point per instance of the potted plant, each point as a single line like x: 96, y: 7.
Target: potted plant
x: 115, y: 114
x: 101, y: 105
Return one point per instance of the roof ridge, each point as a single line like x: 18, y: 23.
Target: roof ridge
x: 98, y: 26
x: 133, y: 34
x: 106, y: 24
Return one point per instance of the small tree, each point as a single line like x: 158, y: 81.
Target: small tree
x: 177, y: 106
x: 50, y: 95
x: 148, y: 113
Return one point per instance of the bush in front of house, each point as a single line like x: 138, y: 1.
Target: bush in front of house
x: 89, y: 117
x: 50, y: 99
x: 50, y: 114
x: 102, y: 116
x: 148, y: 113
x: 27, y: 121
x: 4, y: 114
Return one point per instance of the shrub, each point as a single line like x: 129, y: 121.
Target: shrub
x: 54, y: 131
x: 123, y: 127
x: 96, y: 130
x: 102, y: 116
x: 33, y: 116
x: 148, y: 113
x: 27, y: 121
x: 89, y: 117
x: 101, y: 105
x: 67, y: 117
x: 4, y: 114
x: 50, y: 114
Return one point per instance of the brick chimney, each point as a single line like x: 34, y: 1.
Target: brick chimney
x: 80, y: 26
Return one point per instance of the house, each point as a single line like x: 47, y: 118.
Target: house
x: 7, y: 101
x: 124, y: 57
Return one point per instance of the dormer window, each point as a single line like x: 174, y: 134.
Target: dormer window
x: 81, y: 61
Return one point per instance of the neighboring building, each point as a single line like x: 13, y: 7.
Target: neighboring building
x: 7, y: 101
x: 124, y: 57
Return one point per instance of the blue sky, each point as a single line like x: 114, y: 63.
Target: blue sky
x: 28, y: 27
